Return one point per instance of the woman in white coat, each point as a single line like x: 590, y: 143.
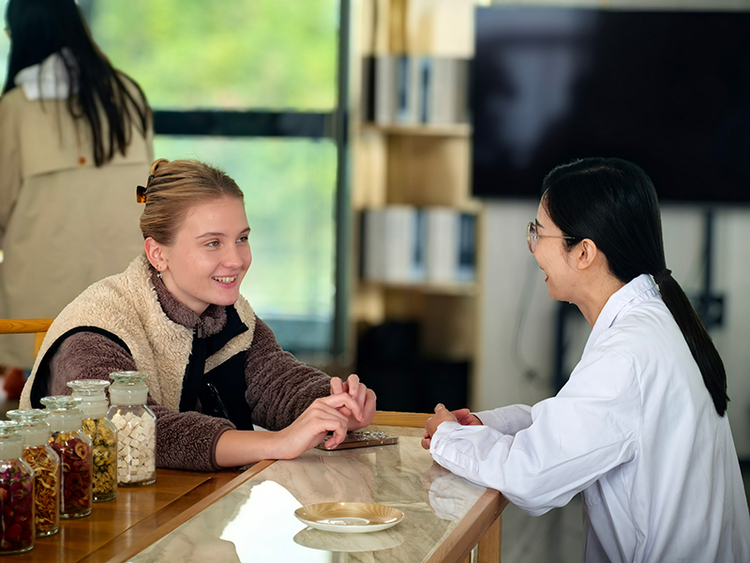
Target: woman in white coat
x: 640, y: 429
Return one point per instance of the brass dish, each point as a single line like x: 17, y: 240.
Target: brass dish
x: 349, y: 517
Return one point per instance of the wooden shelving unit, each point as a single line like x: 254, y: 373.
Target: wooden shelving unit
x: 415, y: 164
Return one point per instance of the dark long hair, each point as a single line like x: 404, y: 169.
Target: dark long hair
x: 40, y: 28
x: 613, y: 203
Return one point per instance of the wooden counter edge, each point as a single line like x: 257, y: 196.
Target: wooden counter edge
x: 482, y: 524
x: 103, y: 553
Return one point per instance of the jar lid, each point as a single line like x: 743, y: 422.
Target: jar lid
x: 86, y: 387
x: 9, y: 428
x: 128, y: 377
x: 61, y: 402
x: 28, y: 417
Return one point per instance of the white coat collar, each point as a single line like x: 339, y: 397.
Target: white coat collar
x: 46, y: 81
x: 632, y: 293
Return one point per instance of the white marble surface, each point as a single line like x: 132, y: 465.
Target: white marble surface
x: 256, y: 521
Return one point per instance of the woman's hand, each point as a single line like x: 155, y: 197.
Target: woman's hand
x: 465, y: 418
x: 240, y: 447
x: 364, y: 397
x: 441, y: 415
x: 324, y: 415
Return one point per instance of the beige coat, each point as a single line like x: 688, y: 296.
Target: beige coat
x: 65, y: 223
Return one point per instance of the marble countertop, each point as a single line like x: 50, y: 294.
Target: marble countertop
x: 256, y: 522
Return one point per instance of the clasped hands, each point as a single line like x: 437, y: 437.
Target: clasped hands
x: 351, y: 405
x: 462, y: 416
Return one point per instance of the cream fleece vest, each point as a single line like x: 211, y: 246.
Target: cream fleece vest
x: 127, y: 306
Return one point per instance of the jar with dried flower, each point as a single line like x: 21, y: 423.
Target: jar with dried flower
x: 16, y: 492
x: 136, y: 428
x: 35, y: 431
x: 74, y: 448
x: 102, y: 432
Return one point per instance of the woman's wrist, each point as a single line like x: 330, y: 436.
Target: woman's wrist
x: 236, y: 448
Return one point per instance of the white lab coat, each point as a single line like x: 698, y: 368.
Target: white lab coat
x: 635, y: 430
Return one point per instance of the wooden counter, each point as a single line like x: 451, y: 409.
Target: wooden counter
x: 226, y: 516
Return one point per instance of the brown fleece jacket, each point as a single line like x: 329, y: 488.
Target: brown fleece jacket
x: 279, y: 387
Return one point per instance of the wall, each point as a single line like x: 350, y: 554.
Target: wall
x: 515, y: 360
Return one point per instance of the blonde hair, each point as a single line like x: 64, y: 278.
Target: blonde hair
x: 173, y: 188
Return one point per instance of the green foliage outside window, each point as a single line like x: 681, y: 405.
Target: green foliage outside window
x: 232, y: 54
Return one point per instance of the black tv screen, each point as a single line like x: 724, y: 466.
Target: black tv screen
x: 669, y: 91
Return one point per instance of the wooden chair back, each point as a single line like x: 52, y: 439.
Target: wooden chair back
x: 38, y: 327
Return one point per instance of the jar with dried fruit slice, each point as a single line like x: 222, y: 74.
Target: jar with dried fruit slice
x: 102, y: 432
x: 46, y: 465
x: 136, y: 428
x: 74, y: 448
x: 16, y: 492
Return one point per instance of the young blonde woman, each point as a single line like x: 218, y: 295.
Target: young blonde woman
x: 215, y: 369
x: 640, y: 429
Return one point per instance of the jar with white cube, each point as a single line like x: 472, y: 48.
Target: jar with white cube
x: 136, y: 428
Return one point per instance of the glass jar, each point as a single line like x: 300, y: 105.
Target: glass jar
x: 136, y: 428
x: 103, y: 435
x: 46, y: 465
x: 74, y: 448
x: 16, y: 492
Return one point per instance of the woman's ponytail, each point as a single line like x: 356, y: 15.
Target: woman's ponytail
x: 698, y: 340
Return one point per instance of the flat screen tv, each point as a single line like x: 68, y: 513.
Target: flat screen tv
x: 668, y: 90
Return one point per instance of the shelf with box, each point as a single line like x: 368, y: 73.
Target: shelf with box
x: 415, y: 289
x: 418, y: 246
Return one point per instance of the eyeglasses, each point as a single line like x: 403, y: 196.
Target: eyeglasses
x: 532, y: 236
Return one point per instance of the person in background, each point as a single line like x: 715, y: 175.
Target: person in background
x: 640, y: 429
x: 176, y: 313
x: 75, y: 136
